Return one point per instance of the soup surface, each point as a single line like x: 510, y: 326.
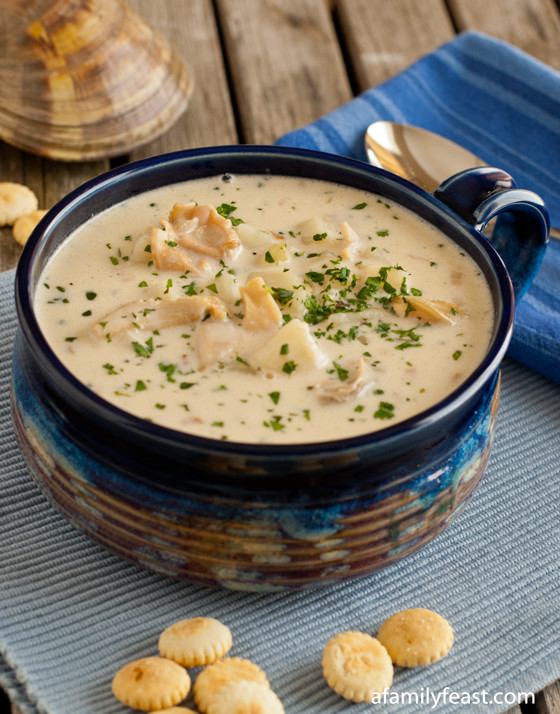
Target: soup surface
x: 265, y: 309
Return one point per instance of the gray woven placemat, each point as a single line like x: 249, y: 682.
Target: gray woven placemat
x: 71, y: 614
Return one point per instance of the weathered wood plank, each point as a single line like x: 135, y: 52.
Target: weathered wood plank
x: 548, y: 701
x: 12, y: 168
x: 191, y: 29
x: 383, y: 38
x: 532, y: 25
x: 50, y: 180
x: 285, y: 63
x: 9, y: 249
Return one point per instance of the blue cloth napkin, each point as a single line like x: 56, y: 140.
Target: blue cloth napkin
x: 502, y: 105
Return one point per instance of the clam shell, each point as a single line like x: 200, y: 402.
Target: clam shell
x: 85, y: 79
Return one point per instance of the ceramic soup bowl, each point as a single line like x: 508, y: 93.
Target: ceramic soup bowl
x: 265, y: 517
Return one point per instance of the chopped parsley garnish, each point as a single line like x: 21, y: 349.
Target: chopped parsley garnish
x: 144, y: 350
x: 407, y: 334
x: 281, y: 295
x: 341, y: 275
x: 340, y: 335
x: 190, y: 289
x: 225, y: 210
x: 345, y: 300
x: 342, y: 373
x: 315, y: 277
x: 168, y: 369
x: 405, y: 345
x: 316, y: 312
x: 275, y: 423
x: 386, y: 411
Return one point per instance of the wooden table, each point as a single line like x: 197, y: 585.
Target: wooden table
x: 265, y: 67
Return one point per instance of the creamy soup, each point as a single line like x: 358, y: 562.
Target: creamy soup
x: 265, y: 309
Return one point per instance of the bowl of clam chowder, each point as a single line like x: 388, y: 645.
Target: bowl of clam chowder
x: 264, y: 368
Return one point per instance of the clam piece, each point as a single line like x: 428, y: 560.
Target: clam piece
x: 261, y: 312
x: 336, y: 391
x: 192, y: 234
x: 159, y: 314
x: 427, y: 310
x: 85, y: 79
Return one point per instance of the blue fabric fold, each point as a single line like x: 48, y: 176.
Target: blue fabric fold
x: 504, y: 106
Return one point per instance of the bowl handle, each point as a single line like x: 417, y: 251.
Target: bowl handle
x: 522, y: 225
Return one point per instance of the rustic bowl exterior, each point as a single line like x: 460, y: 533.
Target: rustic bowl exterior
x: 251, y: 516
x: 266, y: 541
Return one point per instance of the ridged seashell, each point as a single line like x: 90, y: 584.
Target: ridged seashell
x: 85, y: 79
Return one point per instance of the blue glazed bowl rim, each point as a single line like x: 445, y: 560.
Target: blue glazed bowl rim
x: 118, y: 417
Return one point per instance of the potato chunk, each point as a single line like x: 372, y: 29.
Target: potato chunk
x: 292, y: 343
x: 351, y: 241
x: 216, y: 342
